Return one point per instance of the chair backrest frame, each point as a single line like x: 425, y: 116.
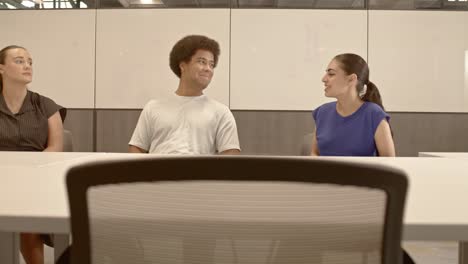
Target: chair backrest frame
x: 236, y: 168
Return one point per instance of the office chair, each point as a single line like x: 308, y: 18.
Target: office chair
x: 67, y: 141
x: 306, y: 145
x: 235, y: 209
x: 67, y: 135
x: 67, y: 147
x: 60, y: 242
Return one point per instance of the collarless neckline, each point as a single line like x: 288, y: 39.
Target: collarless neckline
x: 362, y: 106
x: 24, y: 106
x: 184, y: 97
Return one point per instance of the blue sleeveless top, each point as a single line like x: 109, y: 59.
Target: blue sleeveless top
x: 348, y: 136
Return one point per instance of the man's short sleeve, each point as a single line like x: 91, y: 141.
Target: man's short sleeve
x: 226, y: 134
x: 141, y: 137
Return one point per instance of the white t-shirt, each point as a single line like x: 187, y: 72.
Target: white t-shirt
x: 185, y: 125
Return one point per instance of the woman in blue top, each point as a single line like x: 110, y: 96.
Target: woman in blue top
x: 356, y: 124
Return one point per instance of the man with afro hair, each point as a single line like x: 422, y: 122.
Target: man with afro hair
x: 188, y: 122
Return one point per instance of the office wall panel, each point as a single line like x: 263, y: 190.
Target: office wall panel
x: 114, y: 129
x: 278, y: 57
x: 133, y: 49
x: 273, y: 132
x: 80, y: 122
x: 431, y: 132
x: 282, y: 132
x: 61, y: 43
x: 419, y: 59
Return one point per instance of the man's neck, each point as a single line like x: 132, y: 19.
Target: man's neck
x: 185, y: 89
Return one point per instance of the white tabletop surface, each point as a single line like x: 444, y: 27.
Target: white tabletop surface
x: 33, y: 193
x: 456, y: 155
x: 438, y: 192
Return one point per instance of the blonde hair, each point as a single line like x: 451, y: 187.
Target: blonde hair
x: 3, y: 54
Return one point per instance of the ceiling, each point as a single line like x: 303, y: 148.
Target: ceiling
x: 284, y: 4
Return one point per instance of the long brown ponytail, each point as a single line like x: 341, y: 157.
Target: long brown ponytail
x: 355, y: 64
x: 372, y: 94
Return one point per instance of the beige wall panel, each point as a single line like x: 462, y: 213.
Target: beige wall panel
x: 278, y: 57
x: 419, y: 59
x: 61, y: 43
x: 133, y: 49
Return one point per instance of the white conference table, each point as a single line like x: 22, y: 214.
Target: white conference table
x: 463, y: 247
x: 437, y: 193
x: 33, y: 195
x: 450, y: 155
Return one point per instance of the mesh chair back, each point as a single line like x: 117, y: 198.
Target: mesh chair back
x: 235, y: 210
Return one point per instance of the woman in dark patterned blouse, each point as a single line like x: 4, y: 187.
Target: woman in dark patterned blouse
x: 28, y: 122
